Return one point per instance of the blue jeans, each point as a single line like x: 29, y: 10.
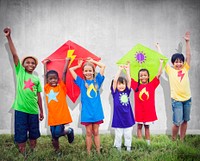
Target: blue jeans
x: 181, y: 111
x: 57, y: 131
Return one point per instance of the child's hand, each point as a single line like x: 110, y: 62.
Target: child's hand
x: 41, y: 116
x: 161, y: 61
x: 187, y: 36
x: 47, y: 61
x: 157, y: 45
x: 80, y: 62
x: 89, y: 59
x: 7, y: 31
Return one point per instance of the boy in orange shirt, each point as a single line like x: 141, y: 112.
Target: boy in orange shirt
x: 58, y: 112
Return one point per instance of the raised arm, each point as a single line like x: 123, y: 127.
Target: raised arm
x: 188, y: 52
x: 116, y: 77
x: 7, y: 32
x: 160, y: 69
x: 72, y: 69
x: 158, y: 47
x: 45, y: 69
x: 99, y: 64
x: 65, y: 70
x: 127, y: 68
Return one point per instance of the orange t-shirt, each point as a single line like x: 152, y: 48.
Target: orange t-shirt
x: 58, y: 112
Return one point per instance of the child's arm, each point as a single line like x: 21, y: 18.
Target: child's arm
x: 116, y: 77
x: 72, y: 69
x: 45, y: 69
x: 158, y: 47
x: 65, y: 70
x: 40, y: 106
x: 127, y: 68
x: 7, y: 32
x: 188, y: 53
x: 99, y: 64
x: 160, y: 69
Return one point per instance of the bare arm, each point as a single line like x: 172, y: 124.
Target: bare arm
x: 45, y: 69
x: 188, y: 52
x: 65, y: 70
x: 72, y: 69
x: 116, y: 77
x: 99, y: 64
x: 40, y: 106
x: 7, y: 32
x: 160, y: 69
x: 127, y: 68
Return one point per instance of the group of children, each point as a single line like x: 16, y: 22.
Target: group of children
x: 28, y: 100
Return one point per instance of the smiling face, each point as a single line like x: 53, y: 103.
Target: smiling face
x: 178, y: 64
x: 29, y: 64
x: 88, y: 72
x: 52, y: 79
x: 143, y: 77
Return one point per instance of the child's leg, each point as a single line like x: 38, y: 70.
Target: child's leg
x: 139, y: 131
x: 183, y: 129
x: 128, y: 137
x: 95, y: 130
x: 89, y: 137
x: 21, y: 126
x: 175, y: 130
x: 33, y: 129
x: 186, y: 118
x: 55, y: 143
x: 147, y: 134
x: 33, y: 144
x: 56, y: 132
x: 118, y: 138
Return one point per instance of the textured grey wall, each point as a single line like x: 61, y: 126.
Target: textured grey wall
x: 108, y: 28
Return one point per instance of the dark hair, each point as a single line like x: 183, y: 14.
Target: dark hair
x: 51, y: 72
x: 176, y: 56
x: 122, y: 80
x: 141, y: 70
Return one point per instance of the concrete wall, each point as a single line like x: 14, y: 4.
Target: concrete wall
x: 108, y: 28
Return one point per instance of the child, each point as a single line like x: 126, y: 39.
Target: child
x: 145, y: 113
x: 58, y: 112
x: 123, y: 118
x: 27, y: 100
x: 180, y: 89
x: 91, y: 112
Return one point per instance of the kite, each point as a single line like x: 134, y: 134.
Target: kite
x: 143, y: 57
x: 57, y: 62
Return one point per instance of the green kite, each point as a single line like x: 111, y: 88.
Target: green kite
x: 143, y: 57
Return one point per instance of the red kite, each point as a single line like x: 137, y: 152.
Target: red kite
x: 57, y: 61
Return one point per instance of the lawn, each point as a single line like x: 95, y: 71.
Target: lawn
x: 161, y: 149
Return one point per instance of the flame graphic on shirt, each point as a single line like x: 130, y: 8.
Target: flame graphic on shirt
x: 90, y: 88
x: 180, y: 74
x: 143, y: 91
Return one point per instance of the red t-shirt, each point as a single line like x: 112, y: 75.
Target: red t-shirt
x: 145, y: 100
x: 58, y: 112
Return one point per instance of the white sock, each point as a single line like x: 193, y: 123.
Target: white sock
x: 148, y: 142
x: 128, y: 148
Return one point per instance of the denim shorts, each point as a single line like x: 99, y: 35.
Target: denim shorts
x: 181, y: 111
x: 26, y: 126
x: 57, y: 131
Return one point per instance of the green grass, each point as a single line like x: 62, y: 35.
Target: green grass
x: 161, y: 149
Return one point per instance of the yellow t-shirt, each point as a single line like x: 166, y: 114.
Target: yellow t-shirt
x: 179, y: 82
x: 58, y: 112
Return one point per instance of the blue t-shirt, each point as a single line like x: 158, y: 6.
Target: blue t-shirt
x: 91, y: 110
x: 123, y: 113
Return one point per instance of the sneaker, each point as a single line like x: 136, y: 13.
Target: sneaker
x: 128, y: 149
x: 70, y: 135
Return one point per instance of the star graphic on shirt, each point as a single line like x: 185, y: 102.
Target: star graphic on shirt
x: 29, y: 84
x: 52, y: 96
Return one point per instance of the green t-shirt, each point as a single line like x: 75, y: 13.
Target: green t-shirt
x: 28, y: 85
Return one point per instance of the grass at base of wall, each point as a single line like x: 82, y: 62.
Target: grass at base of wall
x: 161, y: 149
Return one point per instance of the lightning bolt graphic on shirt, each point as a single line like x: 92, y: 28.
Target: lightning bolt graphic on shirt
x: 180, y: 74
